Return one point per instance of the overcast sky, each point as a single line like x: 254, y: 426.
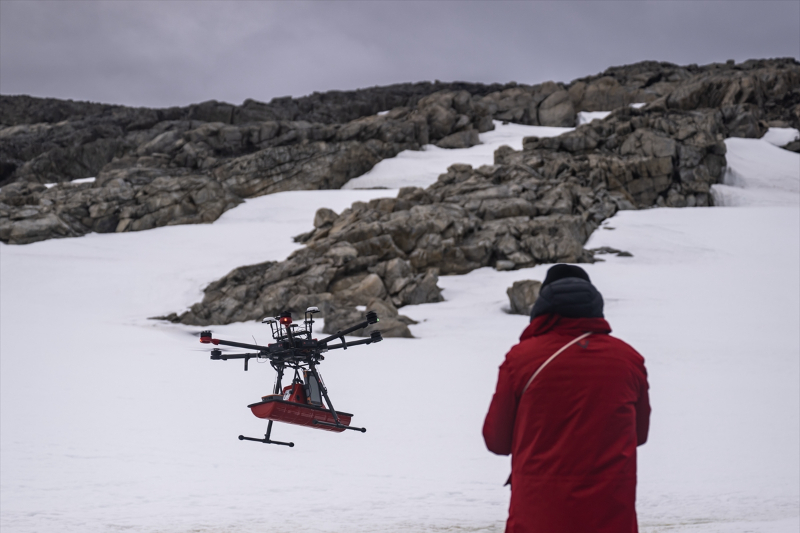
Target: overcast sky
x: 174, y: 53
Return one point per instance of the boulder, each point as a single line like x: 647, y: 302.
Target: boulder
x: 793, y: 146
x: 522, y: 295
x: 461, y: 139
x: 557, y: 110
x: 324, y: 217
x: 390, y: 322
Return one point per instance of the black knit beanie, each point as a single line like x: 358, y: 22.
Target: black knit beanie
x: 567, y: 291
x: 561, y: 271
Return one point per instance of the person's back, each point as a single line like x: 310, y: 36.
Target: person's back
x: 573, y: 430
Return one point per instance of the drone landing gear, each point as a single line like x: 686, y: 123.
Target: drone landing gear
x: 266, y: 439
x: 339, y: 426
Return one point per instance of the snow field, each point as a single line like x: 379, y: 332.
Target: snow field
x: 781, y: 136
x: 422, y: 168
x: 110, y: 421
x: 758, y: 173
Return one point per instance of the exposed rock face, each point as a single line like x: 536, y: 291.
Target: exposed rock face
x: 323, y: 140
x: 538, y: 205
x: 131, y: 201
x: 522, y: 295
x: 758, y: 89
x: 649, y: 155
x: 186, y: 171
x: 389, y: 252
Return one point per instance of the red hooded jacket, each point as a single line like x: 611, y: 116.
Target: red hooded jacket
x: 573, y: 434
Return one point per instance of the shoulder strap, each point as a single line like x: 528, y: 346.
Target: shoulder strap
x: 570, y: 343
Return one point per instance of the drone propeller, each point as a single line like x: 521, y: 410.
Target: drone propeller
x: 207, y: 350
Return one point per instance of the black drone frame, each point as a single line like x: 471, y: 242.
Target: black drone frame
x: 296, y: 350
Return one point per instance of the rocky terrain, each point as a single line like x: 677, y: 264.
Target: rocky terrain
x: 157, y: 167
x: 538, y: 205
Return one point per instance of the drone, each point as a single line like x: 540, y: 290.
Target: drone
x: 300, y: 403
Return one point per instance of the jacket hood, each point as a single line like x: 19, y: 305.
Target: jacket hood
x: 569, y: 297
x: 568, y: 326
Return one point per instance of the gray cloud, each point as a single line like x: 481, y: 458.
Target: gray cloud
x: 175, y: 53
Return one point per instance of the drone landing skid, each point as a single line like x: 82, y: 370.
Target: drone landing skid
x: 266, y: 439
x: 339, y: 426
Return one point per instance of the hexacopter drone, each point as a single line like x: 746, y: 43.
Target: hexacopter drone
x: 300, y: 403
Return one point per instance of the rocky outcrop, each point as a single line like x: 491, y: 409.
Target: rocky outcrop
x: 389, y: 252
x: 187, y: 171
x: 538, y: 205
x: 144, y: 200
x: 650, y: 155
x: 325, y: 139
x: 746, y: 93
x: 522, y: 295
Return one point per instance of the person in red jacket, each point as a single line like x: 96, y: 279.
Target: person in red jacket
x: 571, y: 406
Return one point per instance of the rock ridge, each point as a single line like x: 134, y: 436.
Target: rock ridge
x: 533, y: 206
x: 157, y: 167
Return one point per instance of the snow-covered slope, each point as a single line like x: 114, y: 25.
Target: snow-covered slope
x: 422, y: 168
x: 110, y: 421
x: 758, y: 173
x: 781, y: 136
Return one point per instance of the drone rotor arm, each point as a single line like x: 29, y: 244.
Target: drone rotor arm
x: 225, y: 357
x: 372, y: 318
x: 375, y: 337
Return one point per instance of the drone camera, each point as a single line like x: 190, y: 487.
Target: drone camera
x: 372, y: 317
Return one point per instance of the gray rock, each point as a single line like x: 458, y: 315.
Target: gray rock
x: 792, y: 146
x: 557, y: 110
x: 324, y: 217
x: 390, y: 322
x: 522, y: 295
x: 461, y: 139
x: 609, y: 250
